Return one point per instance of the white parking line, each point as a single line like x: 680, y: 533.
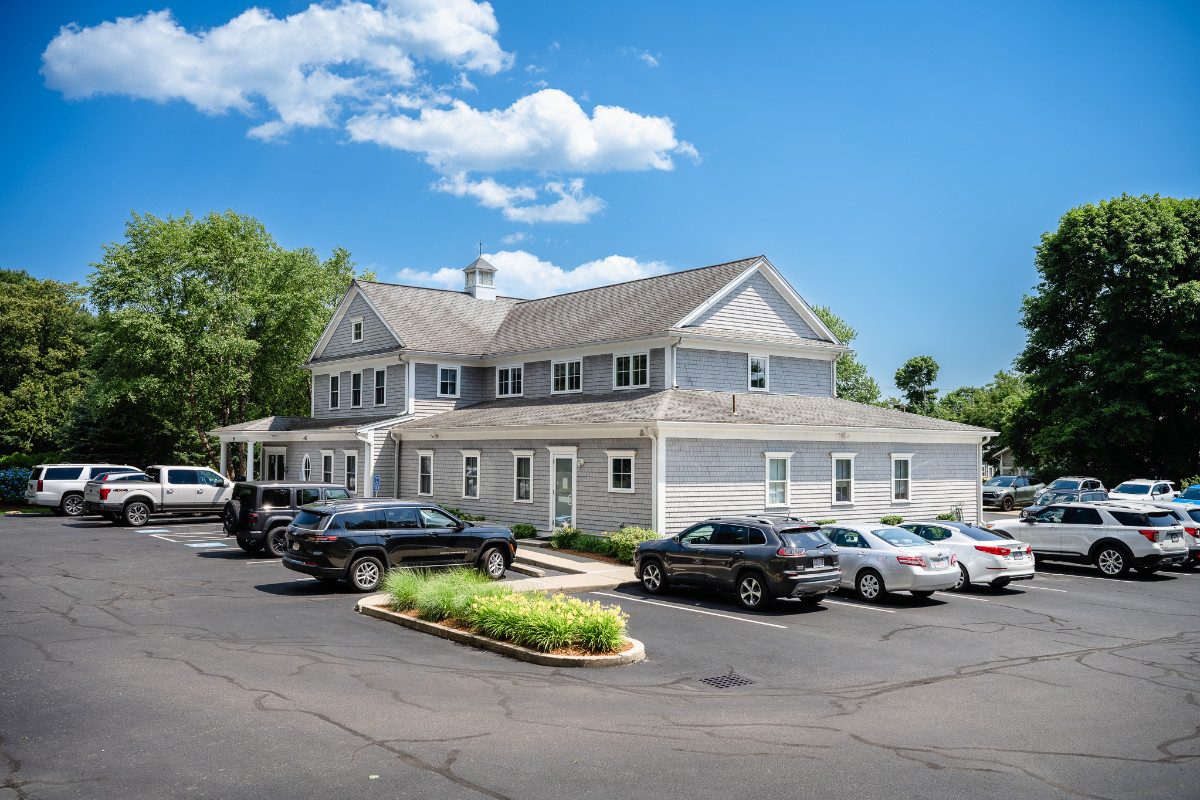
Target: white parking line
x: 263, y: 561
x: 1045, y: 589
x: 693, y: 610
x: 857, y: 605
x: 1091, y: 578
x: 964, y: 596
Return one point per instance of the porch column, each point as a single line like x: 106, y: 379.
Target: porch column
x: 224, y: 456
x: 369, y: 465
x: 250, y: 460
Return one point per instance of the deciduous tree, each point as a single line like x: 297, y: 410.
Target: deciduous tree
x: 853, y: 382
x: 915, y: 379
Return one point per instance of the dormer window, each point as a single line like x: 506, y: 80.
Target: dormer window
x: 759, y: 373
x: 447, y: 382
x: 630, y: 371
x: 509, y: 381
x: 356, y: 329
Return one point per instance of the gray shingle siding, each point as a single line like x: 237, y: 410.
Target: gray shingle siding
x: 536, y: 379
x: 385, y: 458
x: 597, y: 509
x: 376, y: 336
x: 475, y: 384
x: 597, y: 374
x: 720, y: 371
x: 756, y: 307
x: 395, y: 394
x: 804, y: 376
x: 707, y: 477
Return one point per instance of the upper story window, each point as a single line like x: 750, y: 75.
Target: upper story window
x: 356, y: 390
x: 630, y: 371
x: 508, y: 381
x: 566, y: 376
x: 380, y: 387
x: 335, y: 393
x: 447, y: 381
x: 356, y: 329
x: 759, y: 370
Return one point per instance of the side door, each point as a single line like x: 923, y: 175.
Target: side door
x: 1043, y: 530
x: 852, y: 553
x: 405, y: 539
x: 1079, y: 529
x: 725, y: 554
x: 685, y: 560
x: 442, y: 541
x: 179, y: 490
x: 211, y: 492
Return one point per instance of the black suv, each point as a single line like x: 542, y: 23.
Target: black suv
x: 259, y: 512
x: 757, y: 558
x: 359, y: 540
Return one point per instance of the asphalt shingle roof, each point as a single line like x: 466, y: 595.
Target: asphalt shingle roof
x: 682, y: 405
x: 280, y: 424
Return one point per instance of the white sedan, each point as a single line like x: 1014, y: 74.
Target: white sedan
x: 983, y: 556
x: 877, y: 559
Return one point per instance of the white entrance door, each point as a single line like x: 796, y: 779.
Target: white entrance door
x: 563, y: 496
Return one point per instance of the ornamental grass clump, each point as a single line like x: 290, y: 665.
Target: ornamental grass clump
x: 437, y: 596
x: 550, y: 623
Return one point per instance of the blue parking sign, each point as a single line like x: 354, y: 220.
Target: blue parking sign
x: 376, y: 483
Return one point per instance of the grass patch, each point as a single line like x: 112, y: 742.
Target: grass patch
x: 532, y: 620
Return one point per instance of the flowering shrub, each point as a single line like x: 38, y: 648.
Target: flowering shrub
x: 12, y: 484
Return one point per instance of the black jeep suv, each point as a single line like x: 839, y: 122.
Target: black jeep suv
x: 259, y: 511
x: 757, y: 558
x: 359, y: 540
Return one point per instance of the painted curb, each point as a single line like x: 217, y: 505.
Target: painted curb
x: 376, y: 606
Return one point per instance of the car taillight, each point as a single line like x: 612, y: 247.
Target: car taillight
x: 1192, y: 531
x: 253, y: 517
x: 104, y: 493
x: 1149, y: 534
x: 953, y: 559
x: 995, y: 551
x: 39, y: 486
x: 1029, y: 550
x: 914, y: 561
x: 322, y: 537
x: 787, y: 551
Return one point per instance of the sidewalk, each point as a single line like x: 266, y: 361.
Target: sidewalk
x: 583, y: 574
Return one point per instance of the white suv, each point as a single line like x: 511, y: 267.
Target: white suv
x: 1189, y: 515
x: 1141, y: 490
x: 1113, y: 536
x: 60, y: 486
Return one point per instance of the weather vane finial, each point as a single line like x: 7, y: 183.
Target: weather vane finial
x: 481, y: 249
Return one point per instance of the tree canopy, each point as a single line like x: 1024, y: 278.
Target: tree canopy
x: 990, y: 406
x: 915, y: 379
x: 853, y: 382
x: 1113, y: 350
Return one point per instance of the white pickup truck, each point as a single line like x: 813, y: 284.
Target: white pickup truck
x: 170, y: 490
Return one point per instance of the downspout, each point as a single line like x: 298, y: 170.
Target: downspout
x: 674, y: 364
x: 979, y: 482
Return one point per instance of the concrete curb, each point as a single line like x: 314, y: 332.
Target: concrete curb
x: 526, y: 569
x: 376, y: 606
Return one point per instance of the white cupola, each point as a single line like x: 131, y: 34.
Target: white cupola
x: 481, y: 280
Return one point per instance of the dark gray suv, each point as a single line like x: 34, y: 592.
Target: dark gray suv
x: 757, y: 558
x: 260, y: 511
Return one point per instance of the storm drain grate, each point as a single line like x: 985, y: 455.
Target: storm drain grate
x: 726, y: 681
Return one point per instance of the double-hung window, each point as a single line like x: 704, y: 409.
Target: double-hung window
x: 759, y: 366
x: 356, y: 329
x: 620, y: 470
x: 522, y: 476
x: 778, y: 479
x: 356, y: 390
x: 567, y: 376
x: 327, y: 466
x: 351, y: 473
x: 424, y: 472
x: 335, y: 391
x: 470, y: 474
x: 508, y: 381
x: 901, y: 477
x: 447, y: 382
x: 630, y: 371
x: 381, y: 387
x: 843, y: 477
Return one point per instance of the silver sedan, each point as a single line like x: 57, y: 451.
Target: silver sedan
x: 983, y: 556
x: 877, y: 559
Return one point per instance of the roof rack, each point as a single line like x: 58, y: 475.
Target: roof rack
x: 768, y: 519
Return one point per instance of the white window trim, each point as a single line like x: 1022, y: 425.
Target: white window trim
x: 833, y: 459
x: 510, y: 368
x: 356, y: 321
x: 457, y: 380
x: 632, y: 456
x: 578, y: 361
x: 901, y: 457
x: 522, y: 454
x: 478, y: 474
x: 787, y: 479
x: 374, y: 386
x: 329, y: 389
x: 306, y: 468
x: 750, y: 374
x: 274, y: 451
x: 346, y: 472
x: 422, y: 454
x: 632, y: 353
x: 358, y: 375
x: 325, y: 453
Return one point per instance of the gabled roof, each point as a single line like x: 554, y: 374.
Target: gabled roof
x: 438, y: 320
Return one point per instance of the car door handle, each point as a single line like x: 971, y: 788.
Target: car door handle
x: 199, y: 491
x: 170, y: 491
x: 739, y: 553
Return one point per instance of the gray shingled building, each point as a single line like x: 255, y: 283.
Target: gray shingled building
x: 653, y: 402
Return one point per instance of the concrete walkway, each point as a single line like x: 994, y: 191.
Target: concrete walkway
x: 583, y: 574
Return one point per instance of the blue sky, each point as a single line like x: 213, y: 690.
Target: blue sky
x: 897, y: 162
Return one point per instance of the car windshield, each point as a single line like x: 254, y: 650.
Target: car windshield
x: 979, y: 534
x: 803, y: 539
x: 1001, y: 480
x: 898, y: 537
x: 1191, y: 493
x: 1064, y: 483
x: 311, y: 521
x: 1133, y: 488
x: 1055, y: 497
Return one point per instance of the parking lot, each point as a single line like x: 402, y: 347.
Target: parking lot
x: 165, y: 662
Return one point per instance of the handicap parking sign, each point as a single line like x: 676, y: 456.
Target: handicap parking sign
x: 377, y: 483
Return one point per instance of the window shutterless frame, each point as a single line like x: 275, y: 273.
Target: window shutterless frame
x: 620, y: 470
x: 306, y: 468
x: 335, y: 391
x: 566, y: 377
x: 351, y: 460
x: 778, y: 481
x: 356, y: 329
x: 522, y: 476
x: 470, y: 473
x: 327, y: 466
x: 631, y: 370
x: 381, y: 387
x: 356, y: 387
x: 448, y: 381
x: 901, y: 477
x: 843, y: 490
x: 759, y: 373
x: 510, y: 381
x: 425, y: 473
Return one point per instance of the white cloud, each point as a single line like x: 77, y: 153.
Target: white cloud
x: 517, y: 238
x: 516, y: 202
x: 645, y: 56
x: 649, y: 59
x: 521, y: 274
x: 295, y: 64
x: 546, y: 130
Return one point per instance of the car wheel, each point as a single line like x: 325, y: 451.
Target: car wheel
x: 869, y: 586
x: 366, y: 574
x: 924, y: 594
x: 249, y: 545
x: 1112, y: 561
x: 231, y: 516
x: 1006, y: 503
x: 136, y: 514
x: 964, y: 580
x: 752, y: 591
x: 491, y: 563
x: 1002, y: 583
x: 654, y: 580
x: 275, y: 541
x: 71, y: 505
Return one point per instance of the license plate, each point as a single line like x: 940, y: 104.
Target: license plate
x: 1174, y: 537
x: 295, y: 545
x: 1019, y: 554
x: 939, y: 562
x: 818, y: 562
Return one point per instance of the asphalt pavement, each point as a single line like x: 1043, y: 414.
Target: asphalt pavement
x: 164, y: 662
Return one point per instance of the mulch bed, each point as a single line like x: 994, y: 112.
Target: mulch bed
x: 459, y: 626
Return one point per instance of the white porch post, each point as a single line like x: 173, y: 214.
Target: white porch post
x: 660, y: 484
x: 369, y: 464
x: 224, y: 456
x: 250, y: 460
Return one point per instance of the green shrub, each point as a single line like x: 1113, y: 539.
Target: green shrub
x: 12, y: 484
x: 624, y: 542
x: 825, y: 522
x: 441, y: 595
x: 524, y: 531
x: 587, y: 543
x: 452, y: 510
x: 29, y: 459
x: 948, y: 515
x: 1192, y: 481
x: 891, y: 519
x: 564, y: 538
x: 547, y: 623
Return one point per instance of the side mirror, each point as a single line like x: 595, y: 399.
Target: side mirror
x: 676, y: 538
x: 1028, y: 519
x: 459, y: 525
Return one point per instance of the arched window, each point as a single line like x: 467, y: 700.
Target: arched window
x: 307, y: 468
